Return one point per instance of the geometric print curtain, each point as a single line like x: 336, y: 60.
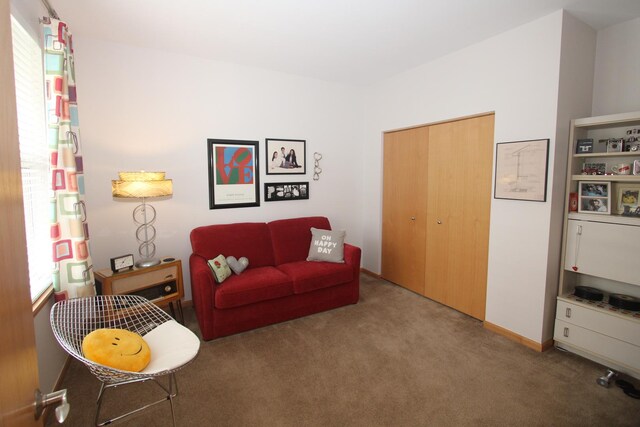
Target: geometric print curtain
x: 72, y: 275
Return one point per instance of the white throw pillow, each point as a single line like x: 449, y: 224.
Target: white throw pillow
x: 219, y: 268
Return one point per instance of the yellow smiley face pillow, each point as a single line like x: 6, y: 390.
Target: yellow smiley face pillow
x: 117, y: 348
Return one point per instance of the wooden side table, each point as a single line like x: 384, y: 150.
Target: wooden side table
x: 161, y: 284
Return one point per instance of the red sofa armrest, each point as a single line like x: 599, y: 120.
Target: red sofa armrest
x: 352, y: 256
x: 203, y: 291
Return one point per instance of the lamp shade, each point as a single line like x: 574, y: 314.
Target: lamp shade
x: 141, y: 185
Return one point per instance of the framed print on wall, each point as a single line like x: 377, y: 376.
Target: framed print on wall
x: 286, y: 156
x: 234, y: 178
x: 277, y: 191
x: 521, y: 170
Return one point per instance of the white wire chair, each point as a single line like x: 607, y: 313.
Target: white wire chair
x: 172, y: 345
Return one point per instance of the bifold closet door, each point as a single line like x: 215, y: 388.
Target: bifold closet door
x: 460, y: 164
x: 404, y: 207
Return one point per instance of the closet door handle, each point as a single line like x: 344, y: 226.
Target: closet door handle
x: 413, y: 218
x: 439, y: 221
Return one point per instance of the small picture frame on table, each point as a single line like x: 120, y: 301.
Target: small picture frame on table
x: 628, y: 197
x: 594, y: 197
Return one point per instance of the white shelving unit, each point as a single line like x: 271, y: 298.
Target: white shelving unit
x: 603, y: 252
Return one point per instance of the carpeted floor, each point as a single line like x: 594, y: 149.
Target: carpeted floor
x: 394, y: 359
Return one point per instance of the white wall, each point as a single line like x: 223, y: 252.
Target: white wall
x: 152, y: 110
x: 515, y: 74
x: 574, y: 100
x: 617, y: 70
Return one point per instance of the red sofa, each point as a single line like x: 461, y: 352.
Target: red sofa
x: 279, y: 283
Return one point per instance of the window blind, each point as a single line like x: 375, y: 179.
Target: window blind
x: 34, y: 155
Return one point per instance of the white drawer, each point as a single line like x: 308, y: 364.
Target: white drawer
x: 599, y: 321
x: 607, y: 348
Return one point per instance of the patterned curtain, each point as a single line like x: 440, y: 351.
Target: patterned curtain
x: 72, y: 275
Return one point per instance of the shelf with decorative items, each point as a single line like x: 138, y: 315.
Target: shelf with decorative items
x: 612, y: 178
x: 598, y: 304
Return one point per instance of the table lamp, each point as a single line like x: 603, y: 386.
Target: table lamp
x: 143, y: 185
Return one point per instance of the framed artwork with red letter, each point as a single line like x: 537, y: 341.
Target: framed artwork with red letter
x: 234, y: 178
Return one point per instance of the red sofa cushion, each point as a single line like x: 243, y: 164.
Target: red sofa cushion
x: 291, y: 237
x: 249, y: 239
x: 253, y: 285
x: 308, y: 276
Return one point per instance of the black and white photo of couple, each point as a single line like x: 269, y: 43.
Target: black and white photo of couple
x: 286, y: 156
x: 284, y: 160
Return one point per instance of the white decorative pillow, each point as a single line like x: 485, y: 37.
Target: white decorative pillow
x: 326, y: 245
x: 219, y: 268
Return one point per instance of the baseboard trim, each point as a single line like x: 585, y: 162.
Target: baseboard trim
x: 370, y: 273
x: 539, y: 347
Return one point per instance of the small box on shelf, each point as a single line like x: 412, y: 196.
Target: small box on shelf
x: 584, y: 145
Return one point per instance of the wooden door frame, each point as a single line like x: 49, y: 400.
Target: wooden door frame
x: 457, y: 119
x: 20, y: 377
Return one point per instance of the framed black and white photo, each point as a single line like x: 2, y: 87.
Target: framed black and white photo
x: 521, y: 170
x: 278, y: 191
x: 286, y: 156
x: 594, y: 197
x: 234, y: 179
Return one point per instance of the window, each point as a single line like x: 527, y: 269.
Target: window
x: 34, y: 155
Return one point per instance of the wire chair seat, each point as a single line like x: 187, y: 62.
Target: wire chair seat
x: 172, y: 345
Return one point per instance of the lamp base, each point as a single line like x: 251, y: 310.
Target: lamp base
x: 143, y: 263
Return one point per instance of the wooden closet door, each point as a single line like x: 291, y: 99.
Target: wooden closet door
x: 404, y: 207
x: 460, y: 164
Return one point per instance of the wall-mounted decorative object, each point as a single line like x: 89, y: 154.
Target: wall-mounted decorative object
x: 286, y: 156
x: 277, y: 191
x: 595, y: 197
x: 234, y: 178
x: 317, y: 170
x: 521, y: 170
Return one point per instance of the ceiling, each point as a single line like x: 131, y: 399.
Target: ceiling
x: 348, y: 41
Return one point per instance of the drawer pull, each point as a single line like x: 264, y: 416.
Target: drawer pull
x: 568, y: 312
x: 566, y: 332
x: 169, y: 276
